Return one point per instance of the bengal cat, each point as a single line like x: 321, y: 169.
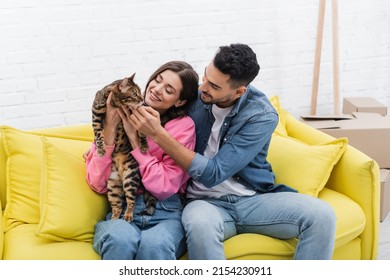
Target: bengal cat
x: 125, y: 178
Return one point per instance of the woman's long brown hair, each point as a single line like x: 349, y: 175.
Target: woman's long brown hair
x: 189, y: 92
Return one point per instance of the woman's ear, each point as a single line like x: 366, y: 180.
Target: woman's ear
x: 180, y: 103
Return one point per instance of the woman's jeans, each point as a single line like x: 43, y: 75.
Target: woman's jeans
x: 160, y: 236
x: 283, y: 215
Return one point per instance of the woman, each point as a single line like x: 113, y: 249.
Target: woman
x: 169, y: 91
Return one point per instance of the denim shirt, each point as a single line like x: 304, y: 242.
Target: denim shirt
x: 243, y: 148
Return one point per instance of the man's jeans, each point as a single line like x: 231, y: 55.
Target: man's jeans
x: 283, y: 215
x: 160, y: 236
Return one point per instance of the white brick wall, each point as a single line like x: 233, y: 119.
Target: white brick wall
x: 54, y: 55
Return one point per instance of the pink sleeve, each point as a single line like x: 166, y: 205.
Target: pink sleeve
x: 161, y: 176
x: 98, y: 169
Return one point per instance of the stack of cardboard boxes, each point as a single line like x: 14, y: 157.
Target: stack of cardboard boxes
x: 366, y: 125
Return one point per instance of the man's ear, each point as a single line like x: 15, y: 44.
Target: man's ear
x: 240, y: 91
x: 180, y: 103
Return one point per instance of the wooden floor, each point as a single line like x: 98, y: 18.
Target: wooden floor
x: 384, y: 239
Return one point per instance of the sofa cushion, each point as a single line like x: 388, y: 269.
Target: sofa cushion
x: 23, y: 175
x: 21, y: 243
x: 350, y: 218
x: 350, y: 224
x: 69, y: 208
x: 256, y: 246
x: 281, y: 127
x: 3, y: 185
x: 303, y: 167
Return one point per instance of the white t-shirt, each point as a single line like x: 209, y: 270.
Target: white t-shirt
x: 229, y: 186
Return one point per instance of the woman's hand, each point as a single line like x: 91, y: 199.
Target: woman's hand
x: 86, y: 154
x: 111, y: 122
x: 146, y: 120
x: 131, y: 133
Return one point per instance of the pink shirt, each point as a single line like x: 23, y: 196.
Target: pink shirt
x: 161, y: 176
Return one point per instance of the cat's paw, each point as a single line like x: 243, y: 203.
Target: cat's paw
x: 100, y: 152
x: 116, y: 213
x: 148, y: 211
x: 144, y: 148
x: 128, y: 216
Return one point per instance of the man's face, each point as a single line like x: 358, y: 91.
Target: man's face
x: 216, y: 89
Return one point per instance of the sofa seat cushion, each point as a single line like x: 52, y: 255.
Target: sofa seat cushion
x: 256, y: 246
x: 350, y: 216
x: 350, y: 224
x: 21, y: 243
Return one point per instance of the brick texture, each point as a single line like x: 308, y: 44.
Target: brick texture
x: 55, y: 55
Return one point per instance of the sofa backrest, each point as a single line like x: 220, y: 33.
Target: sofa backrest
x: 3, y: 162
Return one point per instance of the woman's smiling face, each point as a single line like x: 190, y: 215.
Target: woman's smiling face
x: 163, y: 92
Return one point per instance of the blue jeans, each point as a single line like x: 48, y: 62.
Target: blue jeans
x: 160, y: 236
x: 283, y: 215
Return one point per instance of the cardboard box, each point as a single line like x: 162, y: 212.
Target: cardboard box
x: 368, y: 132
x: 385, y: 193
x: 363, y: 104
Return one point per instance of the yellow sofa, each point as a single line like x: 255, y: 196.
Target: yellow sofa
x: 48, y: 211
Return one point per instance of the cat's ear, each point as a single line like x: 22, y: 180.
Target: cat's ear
x: 132, y: 77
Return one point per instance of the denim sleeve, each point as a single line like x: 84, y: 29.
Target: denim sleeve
x: 197, y: 166
x: 245, y: 144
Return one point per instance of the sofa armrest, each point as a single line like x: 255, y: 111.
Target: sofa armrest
x: 3, y: 163
x: 356, y: 176
x: 1, y: 232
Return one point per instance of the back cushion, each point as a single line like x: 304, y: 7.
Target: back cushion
x: 69, y: 208
x: 24, y: 153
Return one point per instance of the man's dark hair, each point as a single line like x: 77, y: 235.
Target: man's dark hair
x: 239, y: 61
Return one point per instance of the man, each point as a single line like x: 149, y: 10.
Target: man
x: 233, y: 189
